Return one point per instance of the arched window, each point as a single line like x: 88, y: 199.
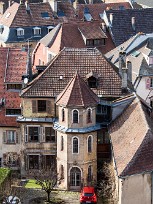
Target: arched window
x: 75, y: 176
x: 75, y: 145
x: 90, y: 143
x: 75, y: 116
x: 89, y: 120
x: 90, y: 173
x: 63, y: 114
x: 61, y: 171
x: 62, y: 143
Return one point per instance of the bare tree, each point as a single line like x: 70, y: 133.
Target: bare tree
x: 47, y: 179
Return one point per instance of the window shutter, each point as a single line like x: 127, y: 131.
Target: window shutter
x: 17, y: 137
x: 34, y: 106
x: 42, y: 136
x: 147, y: 83
x: 26, y: 133
x: 4, y: 137
x: 48, y: 105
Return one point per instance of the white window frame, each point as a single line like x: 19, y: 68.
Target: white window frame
x: 26, y: 135
x: 37, y: 31
x: 91, y: 143
x: 78, y: 116
x: 78, y: 144
x: 7, y: 136
x: 20, y: 32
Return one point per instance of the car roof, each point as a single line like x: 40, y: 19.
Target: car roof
x: 88, y: 189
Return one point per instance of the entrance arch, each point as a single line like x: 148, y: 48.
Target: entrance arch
x: 75, y: 177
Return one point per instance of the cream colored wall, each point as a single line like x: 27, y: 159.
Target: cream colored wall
x: 82, y: 160
x: 4, y: 148
x: 136, y: 189
x: 82, y: 118
x: 27, y: 110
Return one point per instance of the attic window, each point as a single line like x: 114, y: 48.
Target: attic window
x: 7, y: 15
x: 121, y: 8
x: 60, y: 13
x: 50, y: 28
x: 13, y: 112
x: 45, y: 15
x: 135, y: 53
x: 37, y: 31
x: 92, y: 82
x: 20, y: 32
x: 14, y: 86
x: 87, y: 14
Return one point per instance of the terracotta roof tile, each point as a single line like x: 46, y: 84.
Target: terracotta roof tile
x: 77, y: 93
x: 12, y: 72
x: 132, y: 141
x: 96, y: 9
x: 69, y: 60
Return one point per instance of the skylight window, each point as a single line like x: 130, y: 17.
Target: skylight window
x: 88, y: 17
x: 45, y: 15
x: 7, y: 15
x: 60, y: 13
x: 135, y: 53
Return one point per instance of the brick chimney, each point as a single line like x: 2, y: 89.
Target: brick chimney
x: 122, y: 61
x: 129, y: 67
x: 53, y: 4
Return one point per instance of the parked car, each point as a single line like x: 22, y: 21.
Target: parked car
x: 88, y: 195
x: 12, y: 200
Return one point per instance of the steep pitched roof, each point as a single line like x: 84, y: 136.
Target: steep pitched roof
x: 12, y: 66
x: 122, y: 28
x: 77, y: 93
x: 97, y: 9
x: 17, y: 16
x: 50, y: 84
x: 68, y: 35
x: 132, y: 141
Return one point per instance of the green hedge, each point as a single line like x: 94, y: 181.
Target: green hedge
x: 4, y: 173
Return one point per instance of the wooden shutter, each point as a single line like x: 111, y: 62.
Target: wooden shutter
x: 148, y: 83
x: 4, y: 137
x: 17, y: 138
x: 48, y: 106
x: 42, y: 135
x: 34, y: 106
x: 25, y: 133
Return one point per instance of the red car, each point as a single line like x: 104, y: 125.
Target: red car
x: 88, y: 195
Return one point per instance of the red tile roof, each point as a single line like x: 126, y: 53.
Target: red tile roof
x: 69, y: 60
x: 11, y: 72
x: 132, y: 141
x: 77, y: 93
x: 19, y: 17
x: 96, y: 9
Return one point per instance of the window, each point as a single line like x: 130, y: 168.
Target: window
x: 99, y: 42
x: 33, y: 133
x: 89, y: 144
x: 151, y: 82
x: 9, y: 137
x: 14, y: 86
x: 63, y: 114
x: 89, y: 42
x: 49, y: 161
x: 45, y: 15
x: 50, y: 28
x: 13, y: 112
x: 37, y: 31
x: 103, y: 137
x: 101, y: 109
x: 151, y: 60
x: 75, y: 177
x: 41, y: 105
x: 62, y: 143
x: 49, y: 134
x: 89, y: 120
x: 89, y: 174
x: 20, y: 32
x: 75, y: 116
x: 75, y: 145
x: 33, y: 161
x: 11, y: 159
x: 92, y: 82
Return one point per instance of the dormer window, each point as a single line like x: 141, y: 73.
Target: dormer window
x: 151, y: 60
x: 50, y: 28
x: 92, y: 82
x: 20, y: 32
x: 37, y: 31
